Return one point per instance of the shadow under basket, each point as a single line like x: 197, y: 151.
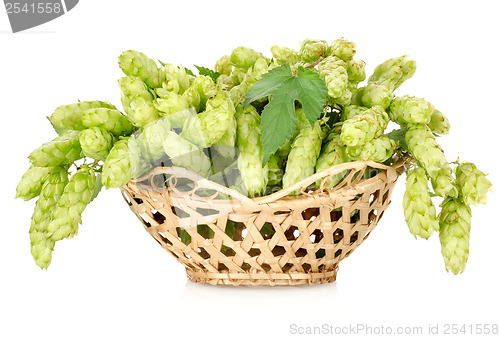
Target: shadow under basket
x: 224, y: 237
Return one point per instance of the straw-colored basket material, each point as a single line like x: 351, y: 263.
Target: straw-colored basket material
x: 270, y: 240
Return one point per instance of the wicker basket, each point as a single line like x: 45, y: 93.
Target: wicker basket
x: 270, y: 240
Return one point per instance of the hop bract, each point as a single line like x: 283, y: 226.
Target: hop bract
x: 473, y: 183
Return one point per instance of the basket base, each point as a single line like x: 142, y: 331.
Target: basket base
x: 266, y: 279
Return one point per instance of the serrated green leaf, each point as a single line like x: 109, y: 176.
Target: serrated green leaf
x: 267, y: 230
x: 311, y: 92
x: 208, y: 72
x: 279, y: 119
x: 268, y: 83
x: 184, y: 235
x: 398, y: 135
x: 230, y: 227
x: 98, y: 186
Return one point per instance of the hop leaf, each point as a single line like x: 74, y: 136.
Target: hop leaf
x: 208, y: 72
x: 278, y: 117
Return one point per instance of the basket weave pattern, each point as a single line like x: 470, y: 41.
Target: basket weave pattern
x: 274, y: 239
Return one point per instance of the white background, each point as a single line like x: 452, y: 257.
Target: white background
x: 113, y: 280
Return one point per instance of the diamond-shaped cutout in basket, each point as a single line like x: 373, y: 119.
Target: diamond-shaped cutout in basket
x: 223, y: 237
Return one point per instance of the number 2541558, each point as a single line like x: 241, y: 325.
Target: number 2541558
x: 38, y: 8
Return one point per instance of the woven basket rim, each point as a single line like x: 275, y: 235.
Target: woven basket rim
x: 390, y: 171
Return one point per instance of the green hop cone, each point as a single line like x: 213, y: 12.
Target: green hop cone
x: 31, y: 183
x: 96, y: 143
x: 345, y: 98
x: 176, y: 80
x: 285, y: 149
x: 69, y: 116
x: 138, y: 64
x: 249, y: 142
x: 226, y: 145
x: 252, y: 75
x: 186, y: 154
x: 175, y: 108
x: 444, y: 184
x: 379, y: 150
x: 183, y: 79
x: 208, y: 127
x: 439, y: 124
x: 225, y: 82
x: 274, y: 172
x: 121, y: 164
x: 454, y: 234
x: 284, y: 54
x: 420, y: 213
x: 141, y: 112
x: 41, y: 243
x: 304, y: 153
x: 375, y: 94
x: 192, y: 97
x: 473, y: 183
x: 62, y: 150
x: 409, y: 109
x: 152, y: 138
x: 110, y: 120
x: 423, y: 146
x: 67, y: 215
x: 312, y: 50
x: 334, y: 72
x: 330, y: 155
x: 244, y: 57
x: 394, y: 72
x: 356, y: 97
x: 238, y: 74
x: 351, y: 111
x: 343, y: 49
x: 132, y: 86
x: 302, y: 121
x: 205, y: 87
x: 364, y: 127
x: 356, y: 70
x: 223, y: 66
